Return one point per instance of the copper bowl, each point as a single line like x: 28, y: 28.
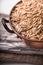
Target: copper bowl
x: 33, y: 43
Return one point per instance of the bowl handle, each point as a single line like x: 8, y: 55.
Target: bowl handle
x: 4, y: 21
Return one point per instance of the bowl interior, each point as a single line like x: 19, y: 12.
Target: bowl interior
x: 14, y: 27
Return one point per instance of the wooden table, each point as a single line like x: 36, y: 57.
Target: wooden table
x: 14, y: 57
